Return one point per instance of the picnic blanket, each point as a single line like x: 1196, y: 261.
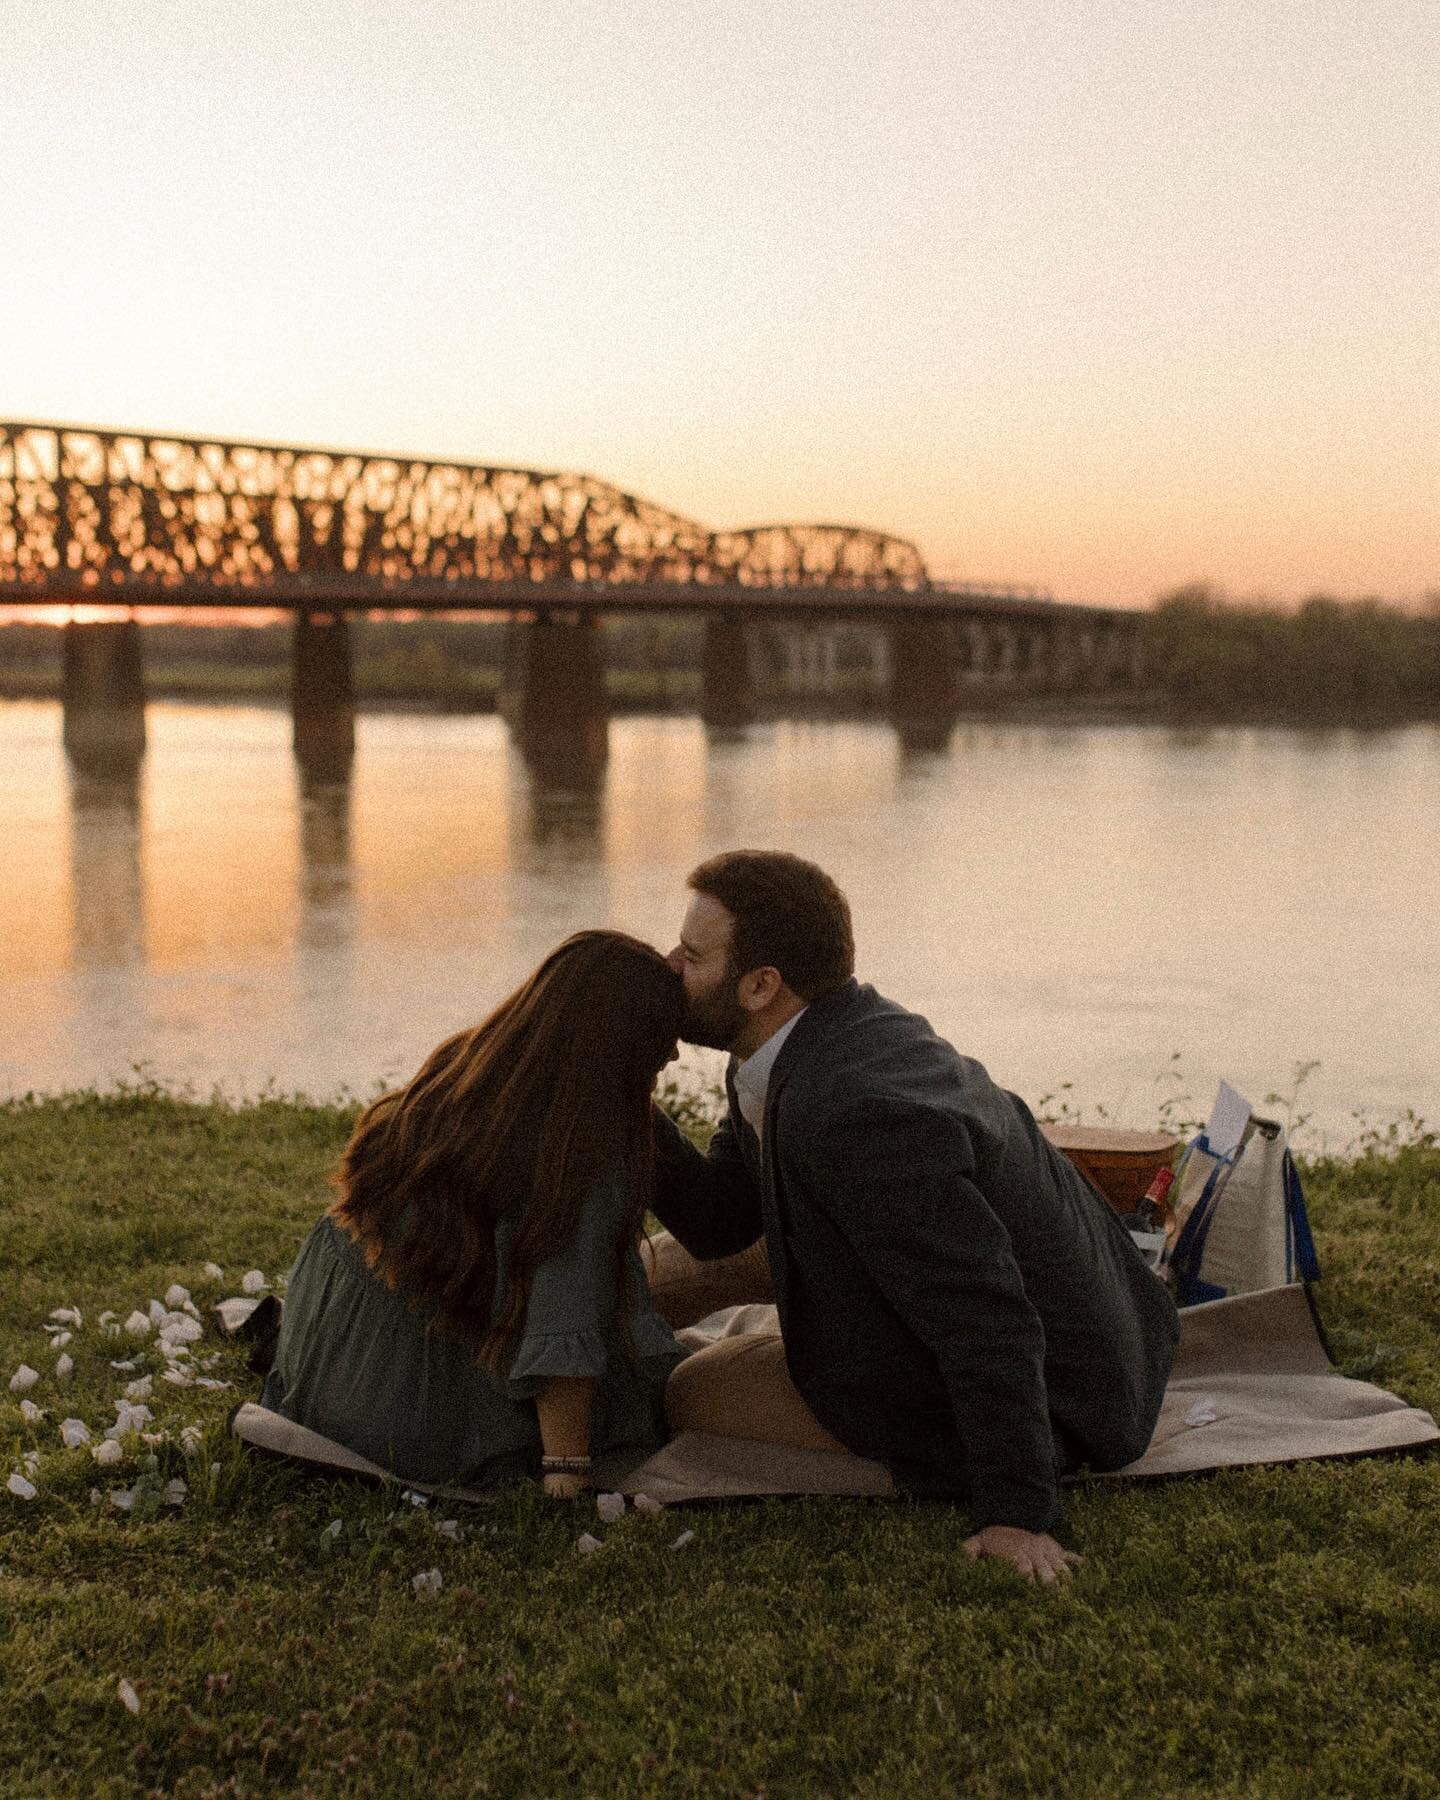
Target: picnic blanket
x: 1252, y: 1383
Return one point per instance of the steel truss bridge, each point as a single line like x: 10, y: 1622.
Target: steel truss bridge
x: 100, y: 518
x: 128, y: 518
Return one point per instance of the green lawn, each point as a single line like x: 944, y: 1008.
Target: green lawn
x: 1270, y: 1632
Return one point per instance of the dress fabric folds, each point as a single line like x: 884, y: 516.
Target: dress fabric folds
x: 365, y: 1366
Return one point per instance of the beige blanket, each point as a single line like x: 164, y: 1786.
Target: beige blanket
x: 1251, y: 1384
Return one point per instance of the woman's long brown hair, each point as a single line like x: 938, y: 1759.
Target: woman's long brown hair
x: 528, y: 1110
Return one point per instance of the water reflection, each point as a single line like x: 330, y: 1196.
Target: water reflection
x: 107, y: 887
x: 327, y: 910
x: 1047, y: 895
x: 558, y: 779
x: 922, y: 739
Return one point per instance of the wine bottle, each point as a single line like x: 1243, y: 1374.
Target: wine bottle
x: 1153, y: 1212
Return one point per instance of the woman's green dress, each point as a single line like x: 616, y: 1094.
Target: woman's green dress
x: 360, y: 1364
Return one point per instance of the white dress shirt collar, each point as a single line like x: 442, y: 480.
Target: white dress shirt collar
x: 752, y: 1077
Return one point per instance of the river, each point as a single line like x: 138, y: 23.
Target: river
x: 1072, y: 904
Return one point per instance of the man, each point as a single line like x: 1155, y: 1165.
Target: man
x: 955, y: 1300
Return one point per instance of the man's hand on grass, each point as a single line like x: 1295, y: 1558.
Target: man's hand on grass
x: 1037, y: 1556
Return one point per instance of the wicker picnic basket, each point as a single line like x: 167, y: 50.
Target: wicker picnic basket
x: 1122, y: 1164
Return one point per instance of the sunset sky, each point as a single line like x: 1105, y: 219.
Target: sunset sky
x: 1096, y: 294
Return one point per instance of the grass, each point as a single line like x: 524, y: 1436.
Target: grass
x: 1264, y: 1632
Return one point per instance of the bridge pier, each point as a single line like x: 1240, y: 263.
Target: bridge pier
x: 322, y: 694
x: 1005, y: 653
x: 553, y: 697
x: 727, y: 690
x: 1061, y: 653
x: 924, y: 681
x: 103, y: 695
x: 972, y: 652
x: 1034, y: 665
x: 1119, y: 656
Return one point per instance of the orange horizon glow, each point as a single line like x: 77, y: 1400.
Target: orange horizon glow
x: 1101, y: 300
x: 84, y: 613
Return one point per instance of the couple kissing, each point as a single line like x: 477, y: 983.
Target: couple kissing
x: 940, y: 1290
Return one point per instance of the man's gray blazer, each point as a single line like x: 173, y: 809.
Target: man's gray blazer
x: 956, y: 1300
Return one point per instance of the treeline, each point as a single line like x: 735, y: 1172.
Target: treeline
x: 1329, y: 660
x: 441, y: 662
x: 1206, y: 657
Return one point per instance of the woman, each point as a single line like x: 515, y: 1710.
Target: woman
x: 472, y: 1306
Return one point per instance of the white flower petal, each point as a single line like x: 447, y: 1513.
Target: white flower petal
x: 176, y: 1296
x: 333, y: 1529
x: 128, y: 1418
x: 139, y: 1389
x: 587, y: 1545
x: 176, y: 1377
x: 59, y: 1339
x: 107, y: 1451
x: 108, y: 1318
x: 253, y: 1282
x: 157, y: 1311
x: 127, y: 1368
x: 684, y: 1538
x: 21, y: 1488
x: 428, y: 1581
x: 209, y: 1381
x: 31, y: 1413
x: 610, y: 1507
x: 179, y: 1329
x: 175, y: 1492
x: 23, y: 1379
x: 646, y: 1507
x: 191, y: 1437
x: 74, y: 1433
x: 138, y: 1325
x: 448, y: 1528
x: 122, y: 1498
x: 66, y: 1315
x: 213, y: 1272
x: 1202, y: 1413
x: 129, y: 1699
x: 64, y: 1367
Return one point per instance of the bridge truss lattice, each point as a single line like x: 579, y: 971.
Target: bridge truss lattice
x: 94, y: 513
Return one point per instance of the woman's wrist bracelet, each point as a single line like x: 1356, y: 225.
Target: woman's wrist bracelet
x: 564, y: 1465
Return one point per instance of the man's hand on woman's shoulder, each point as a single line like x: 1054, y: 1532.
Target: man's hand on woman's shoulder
x: 1034, y: 1553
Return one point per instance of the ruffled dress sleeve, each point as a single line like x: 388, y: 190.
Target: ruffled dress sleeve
x: 570, y: 1328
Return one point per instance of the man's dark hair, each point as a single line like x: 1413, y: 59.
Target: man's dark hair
x: 789, y: 916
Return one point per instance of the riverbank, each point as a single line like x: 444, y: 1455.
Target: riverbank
x: 1207, y: 659
x: 788, y: 1648
x: 678, y: 692
x: 673, y: 692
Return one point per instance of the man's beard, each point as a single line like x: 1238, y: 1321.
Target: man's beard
x: 715, y: 1020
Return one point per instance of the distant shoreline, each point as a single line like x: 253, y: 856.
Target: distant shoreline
x: 678, y: 693
x: 1330, y: 664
